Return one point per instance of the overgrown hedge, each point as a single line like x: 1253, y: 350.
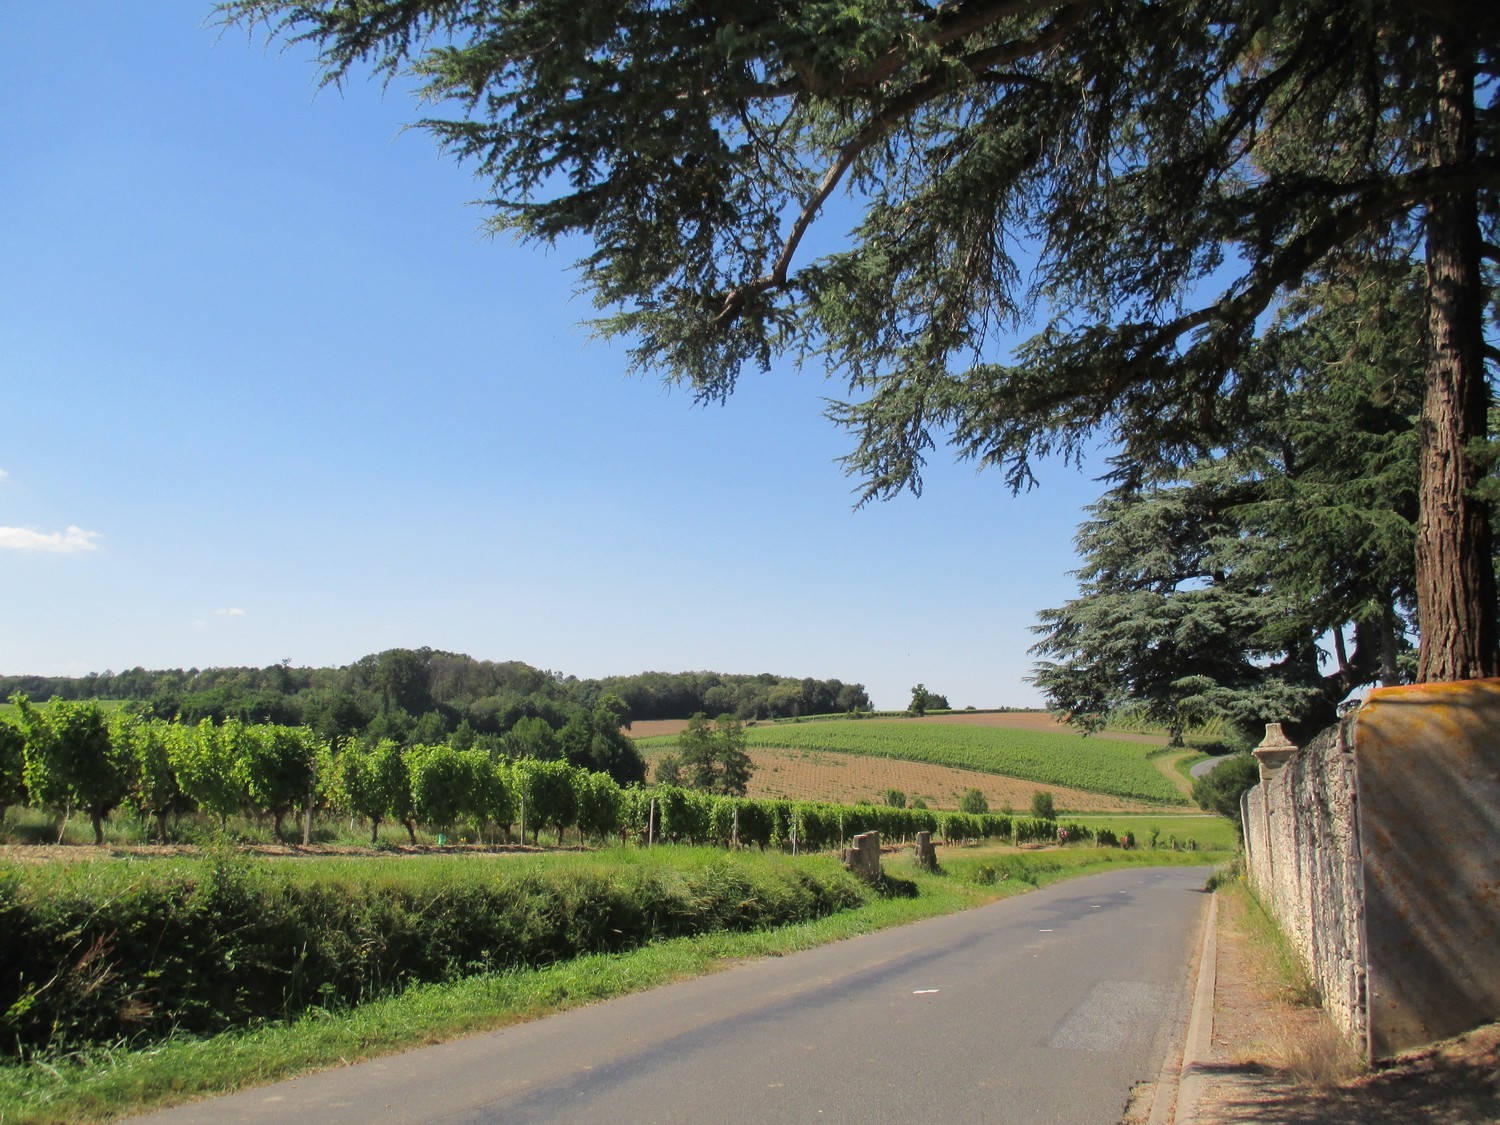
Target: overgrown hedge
x: 97, y: 956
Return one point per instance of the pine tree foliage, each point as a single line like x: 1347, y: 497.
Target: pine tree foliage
x: 1142, y: 183
x: 1228, y: 588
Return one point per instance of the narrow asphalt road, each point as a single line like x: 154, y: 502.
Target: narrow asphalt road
x: 1043, y: 1008
x: 1208, y: 765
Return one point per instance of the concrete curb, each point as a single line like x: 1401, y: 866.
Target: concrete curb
x: 1198, y: 1048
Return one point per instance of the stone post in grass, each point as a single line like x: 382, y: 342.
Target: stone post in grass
x: 926, y: 851
x: 863, y: 856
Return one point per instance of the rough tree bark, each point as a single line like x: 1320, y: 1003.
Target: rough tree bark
x: 1455, y: 575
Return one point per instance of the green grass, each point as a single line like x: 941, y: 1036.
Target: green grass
x: 1096, y: 764
x: 104, y: 1084
x: 1206, y: 830
x: 1185, y: 764
x: 1287, y: 975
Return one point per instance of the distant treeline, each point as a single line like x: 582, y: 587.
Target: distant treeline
x: 428, y: 696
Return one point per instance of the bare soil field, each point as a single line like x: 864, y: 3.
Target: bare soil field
x: 812, y: 776
x: 807, y: 775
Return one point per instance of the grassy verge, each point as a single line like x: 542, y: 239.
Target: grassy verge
x: 1286, y: 977
x: 1206, y: 830
x: 102, y: 1084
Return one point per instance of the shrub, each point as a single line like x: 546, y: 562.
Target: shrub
x: 136, y: 954
x: 1072, y: 833
x: 1042, y: 807
x: 1220, y: 790
x: 974, y: 803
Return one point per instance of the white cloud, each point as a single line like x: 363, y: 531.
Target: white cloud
x: 24, y: 539
x: 4, y: 476
x: 229, y: 613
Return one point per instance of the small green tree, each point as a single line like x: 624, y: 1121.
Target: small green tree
x: 1220, y: 790
x: 735, y: 765
x: 204, y: 763
x: 531, y: 737
x: 923, y: 701
x: 1042, y: 807
x: 668, y: 770
x: 276, y: 768
x: 153, y: 787
x: 713, y: 757
x: 393, y: 781
x: 551, y: 796
x: 895, y: 798
x: 600, y: 805
x: 974, y: 803
x: 489, y: 796
x: 70, y: 757
x: 372, y: 782
x: 695, y: 748
x: 440, y: 785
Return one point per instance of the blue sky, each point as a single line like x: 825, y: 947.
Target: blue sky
x: 270, y: 394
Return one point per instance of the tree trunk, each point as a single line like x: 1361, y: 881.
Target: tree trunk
x: 1389, y: 629
x: 1455, y: 572
x: 98, y: 822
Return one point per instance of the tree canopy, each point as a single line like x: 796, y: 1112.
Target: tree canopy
x: 710, y: 757
x: 1216, y: 589
x: 375, y: 695
x: 1140, y: 183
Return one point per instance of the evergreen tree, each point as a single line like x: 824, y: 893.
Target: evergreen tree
x: 1213, y: 590
x: 1147, y: 180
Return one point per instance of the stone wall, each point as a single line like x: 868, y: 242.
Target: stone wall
x: 1429, y: 811
x: 1378, y: 850
x: 1302, y: 849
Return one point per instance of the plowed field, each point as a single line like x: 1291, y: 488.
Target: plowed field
x: 810, y: 761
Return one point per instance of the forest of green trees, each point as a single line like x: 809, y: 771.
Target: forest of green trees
x: 428, y: 696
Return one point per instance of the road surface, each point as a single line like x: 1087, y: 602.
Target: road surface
x: 1047, y: 1007
x: 1208, y: 765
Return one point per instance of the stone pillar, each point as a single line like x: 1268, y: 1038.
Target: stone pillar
x: 1274, y: 751
x: 926, y: 851
x: 863, y: 856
